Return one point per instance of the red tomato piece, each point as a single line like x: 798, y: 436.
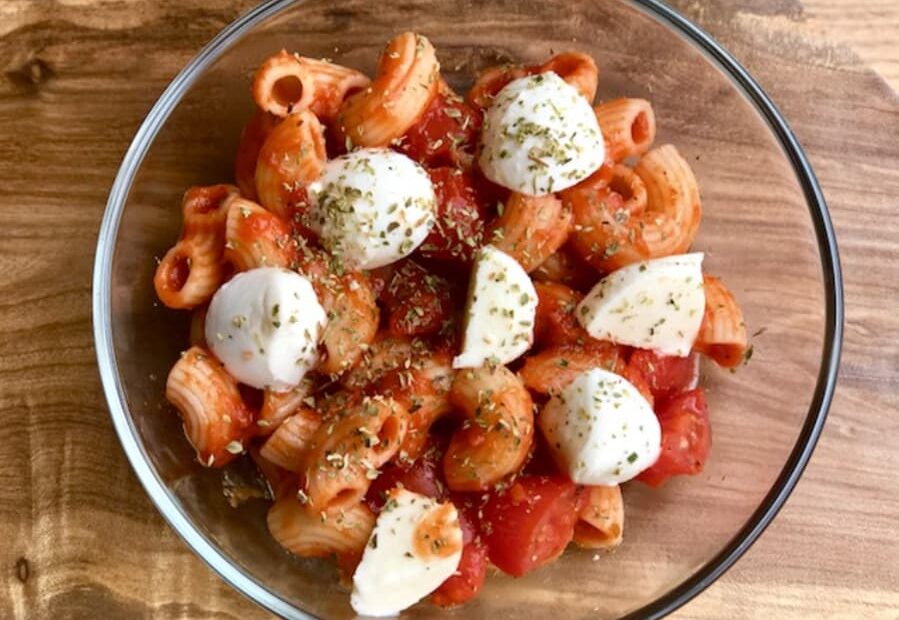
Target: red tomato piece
x: 530, y: 524
x: 459, y: 230
x: 555, y: 323
x: 540, y: 462
x: 667, y: 375
x: 417, y: 301
x: 424, y: 476
x: 686, y: 438
x: 468, y: 516
x: 468, y: 578
x: 491, y: 193
x: 445, y: 135
x: 420, y: 314
x: 634, y: 374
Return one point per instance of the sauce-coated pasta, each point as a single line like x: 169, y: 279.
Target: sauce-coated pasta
x: 449, y: 361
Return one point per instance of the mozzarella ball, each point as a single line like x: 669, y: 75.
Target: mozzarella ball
x: 540, y: 136
x: 600, y: 429
x: 264, y: 326
x: 372, y: 207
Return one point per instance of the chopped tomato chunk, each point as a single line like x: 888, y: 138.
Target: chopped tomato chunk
x: 445, y: 135
x: 666, y: 375
x: 423, y: 476
x: 686, y: 438
x: 459, y: 229
x: 469, y: 577
x: 530, y: 524
x: 417, y: 301
x: 556, y: 323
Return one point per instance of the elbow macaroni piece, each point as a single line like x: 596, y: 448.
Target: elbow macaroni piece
x: 628, y: 127
x: 353, y: 316
x: 409, y: 372
x: 216, y: 420
x: 252, y: 137
x: 333, y: 85
x: 722, y: 335
x: 287, y: 446
x: 600, y: 522
x: 423, y: 388
x: 577, y: 69
x: 256, y: 237
x: 549, y: 371
x: 498, y: 430
x: 288, y: 83
x: 407, y: 80
x: 489, y: 82
x: 348, y: 449
x: 608, y: 236
x: 671, y: 190
x: 204, y: 209
x: 283, y: 84
x: 630, y: 186
x: 292, y: 156
x: 427, y: 398
x: 319, y: 536
x: 531, y: 228
x: 191, y: 271
x: 278, y: 406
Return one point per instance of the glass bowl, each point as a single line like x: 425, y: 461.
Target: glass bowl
x: 766, y: 231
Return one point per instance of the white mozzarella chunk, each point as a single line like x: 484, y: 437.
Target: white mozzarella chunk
x: 264, y: 325
x: 656, y: 304
x: 372, y: 207
x: 415, y: 546
x: 540, y: 136
x: 502, y: 305
x: 600, y: 429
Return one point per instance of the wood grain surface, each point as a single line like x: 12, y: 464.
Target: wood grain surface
x: 79, y: 537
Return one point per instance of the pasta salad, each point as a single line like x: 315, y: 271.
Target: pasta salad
x: 446, y: 328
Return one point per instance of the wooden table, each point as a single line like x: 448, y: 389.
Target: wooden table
x: 79, y: 537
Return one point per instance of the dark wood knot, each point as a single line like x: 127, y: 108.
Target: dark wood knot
x: 23, y: 570
x: 31, y: 74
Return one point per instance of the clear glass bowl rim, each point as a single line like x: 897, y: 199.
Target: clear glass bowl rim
x: 169, y: 506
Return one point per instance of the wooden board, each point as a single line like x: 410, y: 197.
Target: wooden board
x: 81, y: 540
